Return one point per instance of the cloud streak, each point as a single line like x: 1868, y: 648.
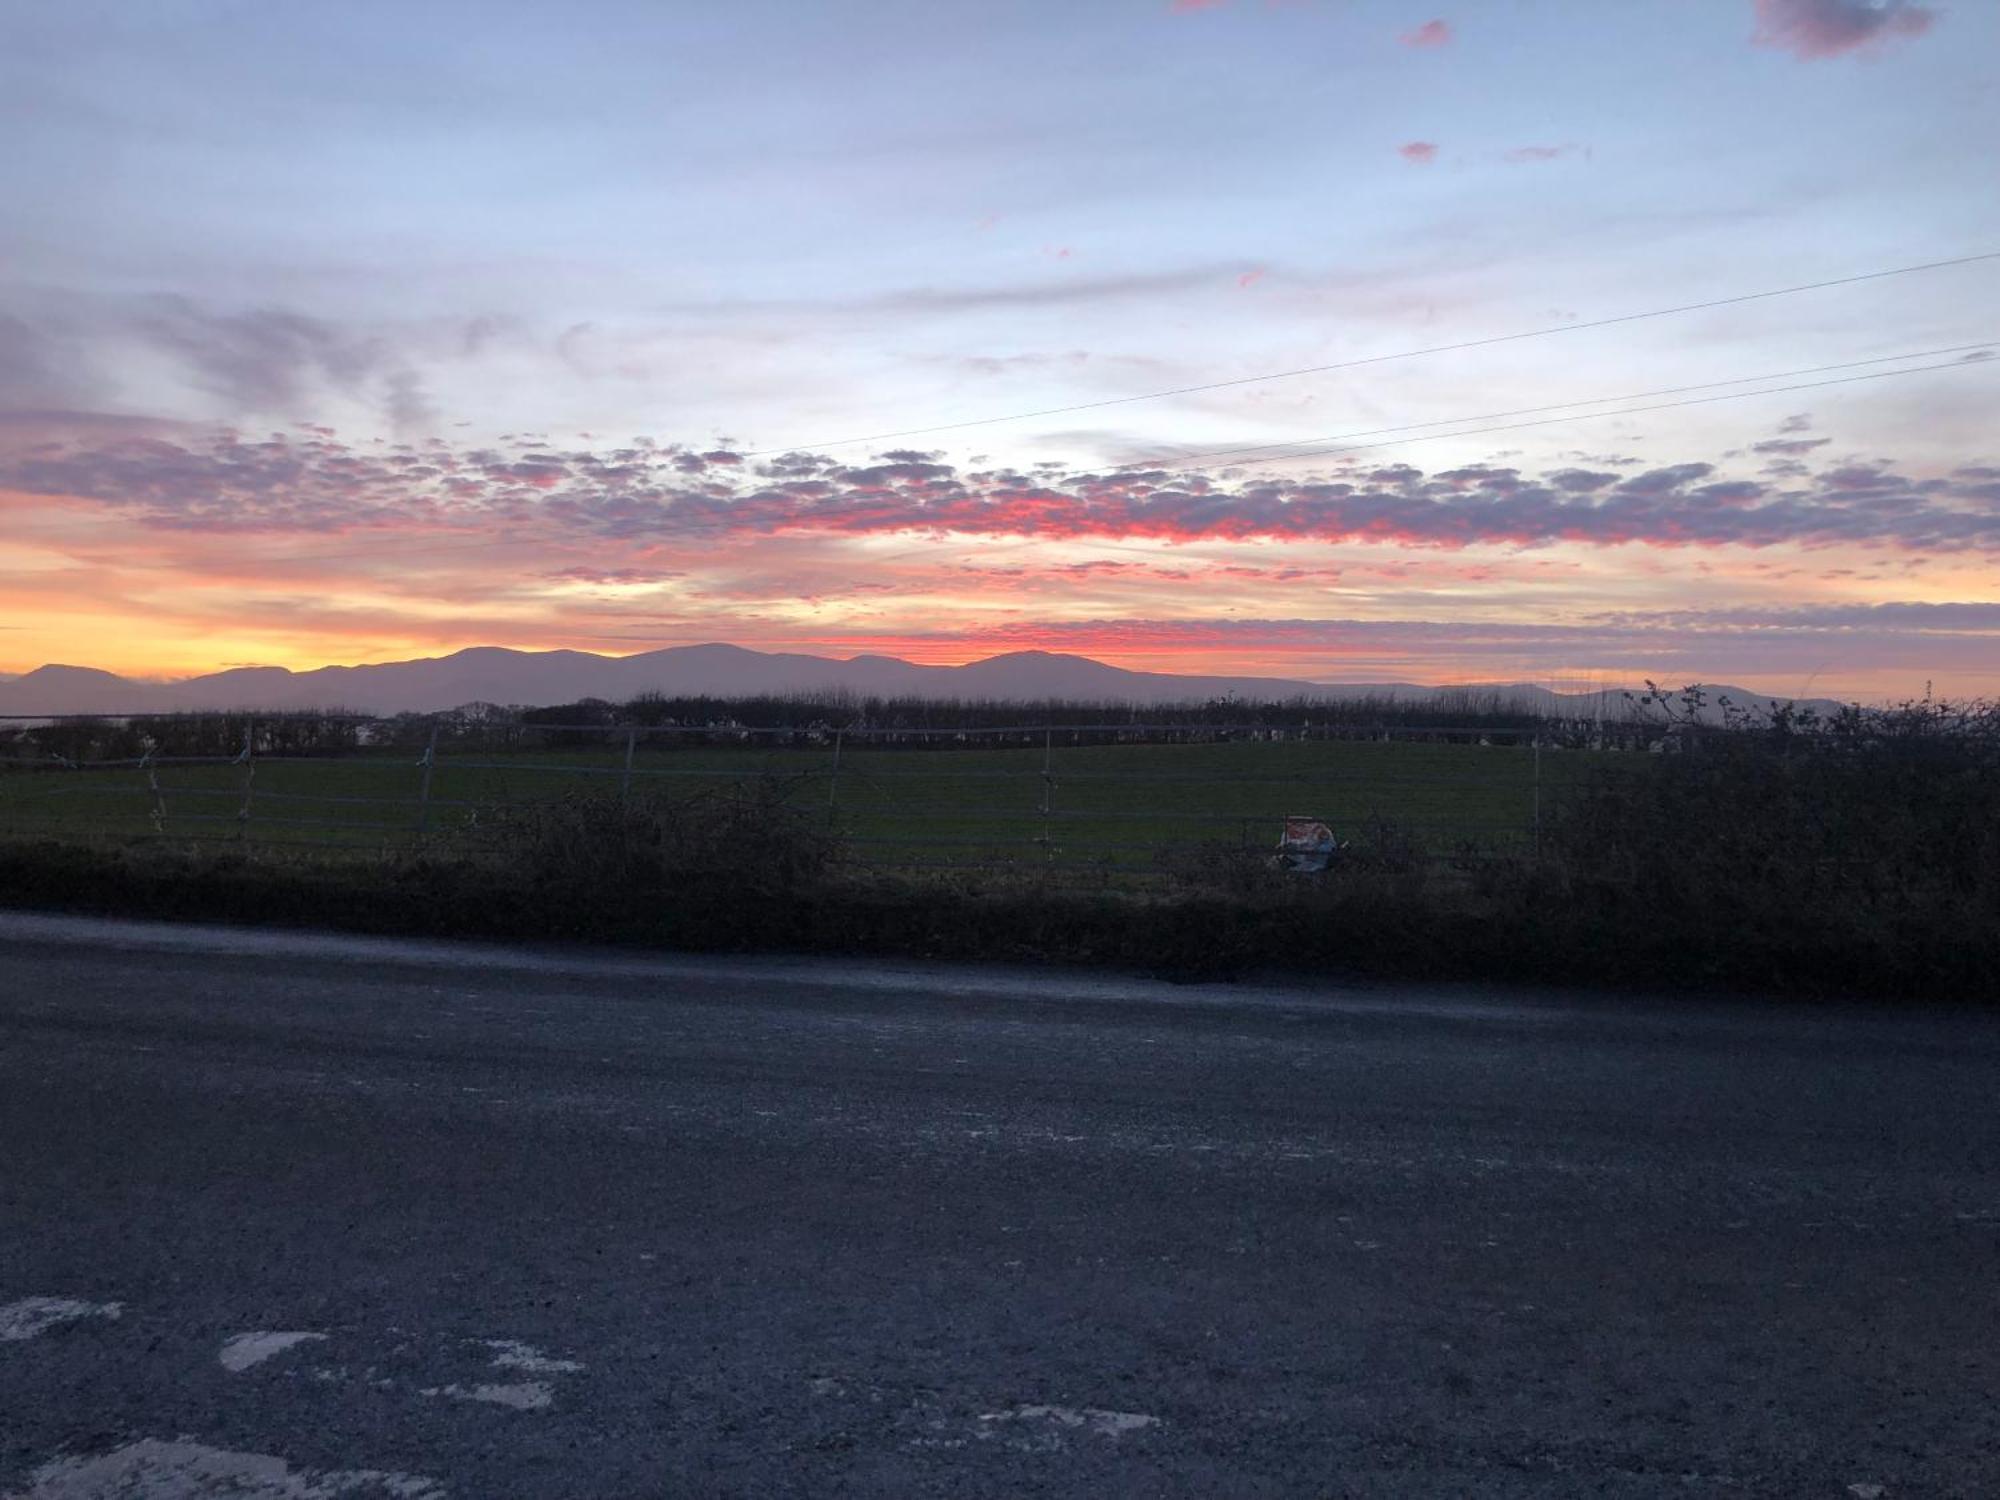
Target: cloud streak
x: 1630, y: 628
x: 1885, y: 640
x: 1069, y: 291
x: 1790, y: 657
x: 1523, y: 154
x: 260, y: 361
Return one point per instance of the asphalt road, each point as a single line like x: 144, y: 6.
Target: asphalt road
x: 304, y: 1217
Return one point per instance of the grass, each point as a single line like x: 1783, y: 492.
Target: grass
x: 1113, y: 807
x: 1817, y: 869
x: 1854, y: 857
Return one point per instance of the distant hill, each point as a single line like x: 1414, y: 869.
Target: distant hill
x: 494, y: 674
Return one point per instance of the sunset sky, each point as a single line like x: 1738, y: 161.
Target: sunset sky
x: 346, y: 333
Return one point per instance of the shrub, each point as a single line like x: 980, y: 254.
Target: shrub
x: 1240, y: 870
x: 1782, y: 855
x: 597, y: 858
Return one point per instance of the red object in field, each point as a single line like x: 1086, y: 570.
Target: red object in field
x: 1307, y: 845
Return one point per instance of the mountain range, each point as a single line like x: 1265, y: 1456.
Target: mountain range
x: 495, y: 674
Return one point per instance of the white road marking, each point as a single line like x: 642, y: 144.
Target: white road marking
x: 524, y: 1395
x: 189, y: 1471
x: 33, y: 1315
x: 521, y: 1395
x: 511, y: 1354
x: 247, y: 1349
x: 1111, y: 1424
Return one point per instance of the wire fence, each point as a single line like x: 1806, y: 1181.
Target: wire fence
x: 1116, y: 798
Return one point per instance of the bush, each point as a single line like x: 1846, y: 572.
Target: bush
x: 1240, y: 870
x: 599, y: 858
x: 1782, y: 856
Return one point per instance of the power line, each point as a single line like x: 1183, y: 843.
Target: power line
x: 1627, y: 411
x: 1522, y: 411
x: 1377, y: 359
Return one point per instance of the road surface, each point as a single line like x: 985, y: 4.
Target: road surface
x: 300, y: 1217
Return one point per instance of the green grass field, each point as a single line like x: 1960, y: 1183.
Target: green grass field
x: 1117, y: 806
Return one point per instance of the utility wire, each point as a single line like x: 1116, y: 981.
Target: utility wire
x: 1523, y: 411
x: 1377, y: 359
x: 1626, y: 411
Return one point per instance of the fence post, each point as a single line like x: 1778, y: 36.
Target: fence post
x: 1538, y: 794
x: 159, y: 797
x: 1048, y: 794
x: 833, y: 780
x: 249, y: 763
x: 625, y: 781
x: 429, y: 763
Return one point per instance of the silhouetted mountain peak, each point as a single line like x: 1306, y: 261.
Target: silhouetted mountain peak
x: 60, y: 672
x: 715, y: 669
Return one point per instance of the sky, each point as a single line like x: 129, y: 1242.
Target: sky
x: 334, y: 334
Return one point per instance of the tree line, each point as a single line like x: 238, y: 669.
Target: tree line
x: 1657, y: 718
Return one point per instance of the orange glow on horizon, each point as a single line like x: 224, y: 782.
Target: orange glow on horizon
x: 85, y: 586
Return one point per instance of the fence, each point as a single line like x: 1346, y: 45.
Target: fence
x: 1115, y: 798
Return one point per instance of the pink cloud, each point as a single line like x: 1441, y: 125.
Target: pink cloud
x: 648, y: 495
x: 1545, y: 153
x: 276, y: 534
x: 1812, y: 29
x: 1430, y: 34
x: 1249, y: 279
x: 1188, y: 7
x: 1418, y: 153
